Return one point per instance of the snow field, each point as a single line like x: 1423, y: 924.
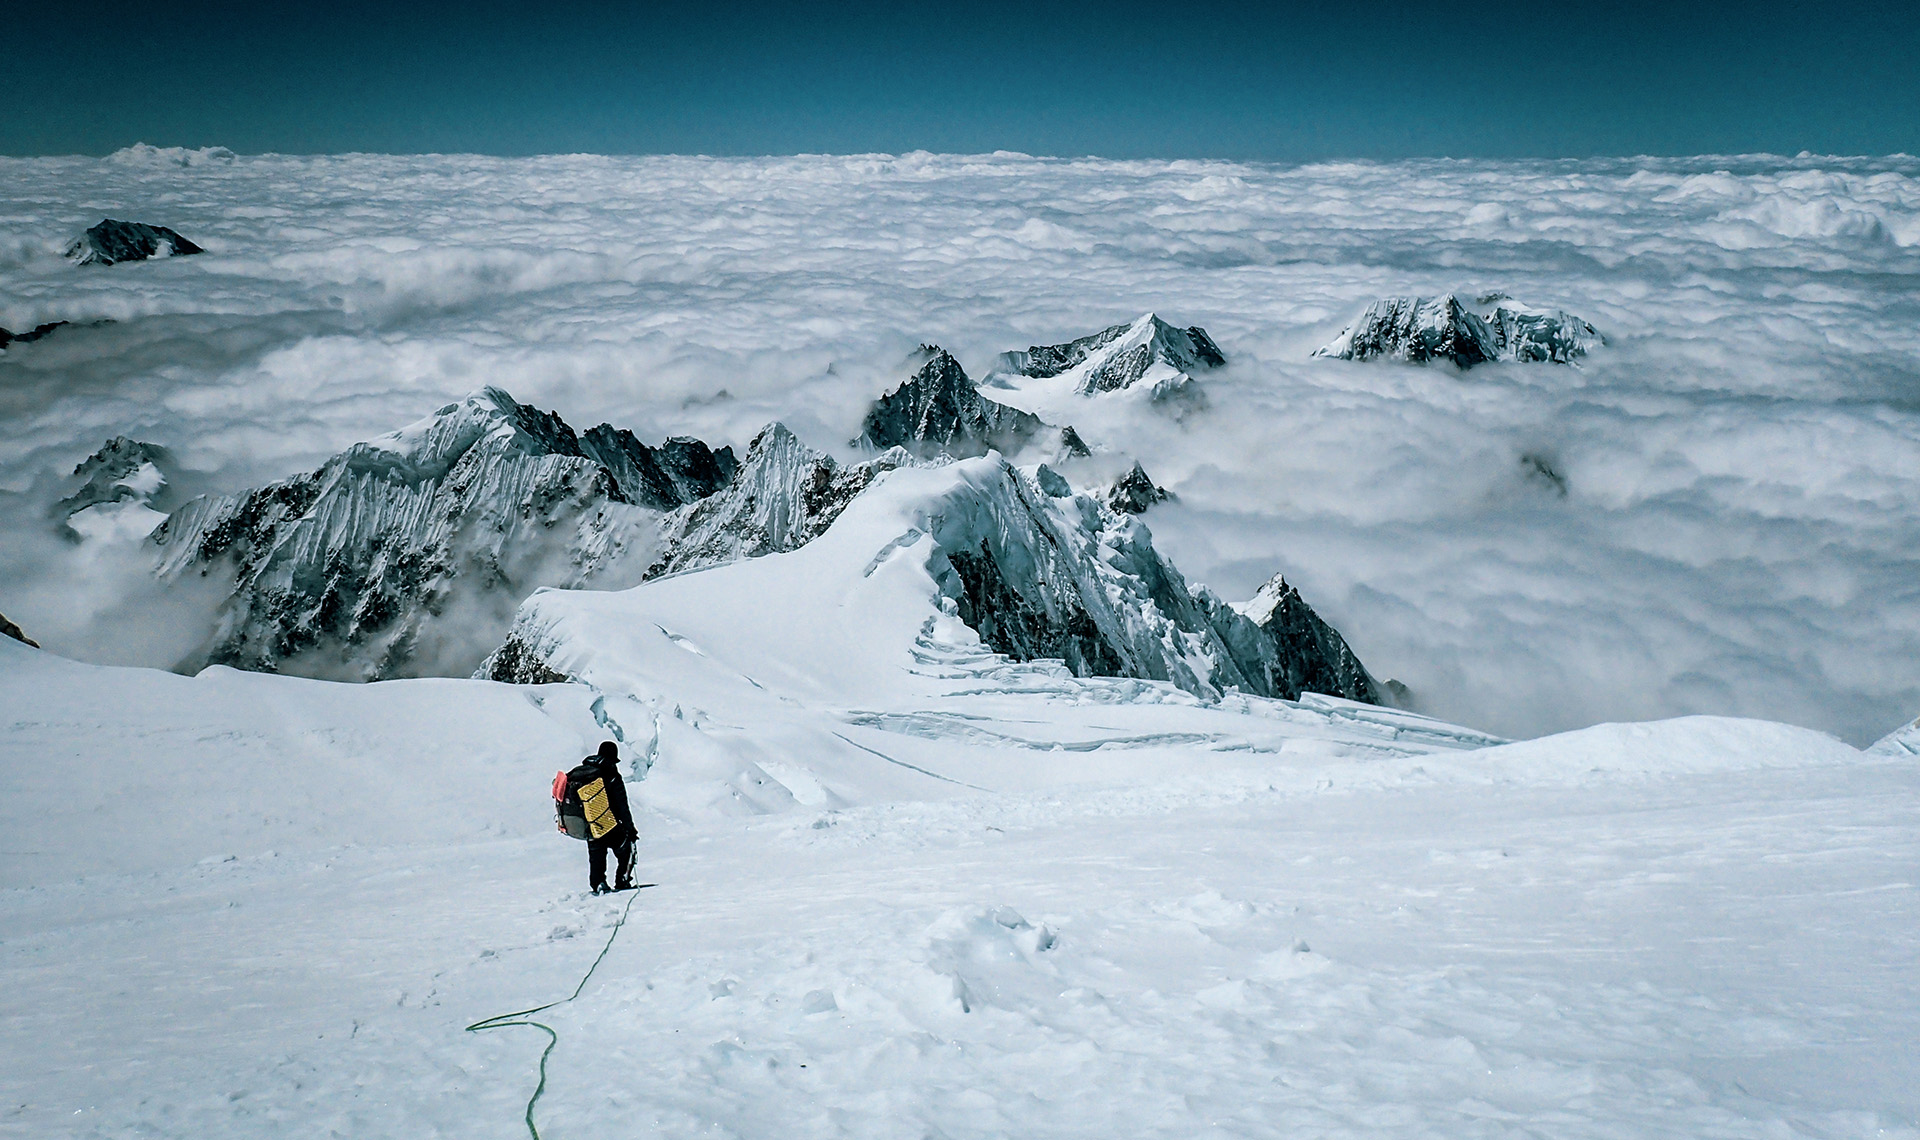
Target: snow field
x: 1257, y: 920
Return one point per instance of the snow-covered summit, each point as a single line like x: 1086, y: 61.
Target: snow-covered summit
x: 124, y: 486
x: 1419, y: 329
x: 1147, y: 349
x: 1309, y: 656
x: 1135, y: 491
x: 939, y: 411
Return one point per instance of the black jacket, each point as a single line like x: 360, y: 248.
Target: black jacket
x: 609, y: 772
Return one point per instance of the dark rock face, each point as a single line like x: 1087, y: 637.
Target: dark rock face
x: 1420, y: 329
x: 405, y: 554
x: 516, y: 664
x: 680, y: 471
x: 28, y: 337
x: 1036, y: 575
x: 1309, y: 656
x: 117, y: 473
x: 1540, y: 471
x: 8, y: 629
x: 938, y: 411
x: 1134, y: 492
x: 1008, y: 623
x: 113, y: 241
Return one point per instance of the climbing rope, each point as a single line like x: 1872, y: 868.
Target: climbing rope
x: 553, y: 1039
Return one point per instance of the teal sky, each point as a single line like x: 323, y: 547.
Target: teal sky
x: 1274, y: 82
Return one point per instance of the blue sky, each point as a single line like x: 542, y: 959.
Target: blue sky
x: 1275, y: 82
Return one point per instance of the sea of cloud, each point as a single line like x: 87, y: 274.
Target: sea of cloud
x: 1739, y: 529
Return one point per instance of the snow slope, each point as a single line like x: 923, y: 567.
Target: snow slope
x: 1165, y: 918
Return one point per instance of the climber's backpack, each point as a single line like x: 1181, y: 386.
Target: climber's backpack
x: 570, y: 816
x: 581, y: 805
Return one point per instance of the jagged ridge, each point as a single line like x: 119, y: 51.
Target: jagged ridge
x: 1419, y: 329
x: 357, y: 556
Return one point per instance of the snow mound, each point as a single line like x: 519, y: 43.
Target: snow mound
x: 1692, y: 744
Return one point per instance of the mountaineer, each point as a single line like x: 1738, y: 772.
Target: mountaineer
x: 591, y: 804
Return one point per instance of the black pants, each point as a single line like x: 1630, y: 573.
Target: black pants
x: 622, y: 847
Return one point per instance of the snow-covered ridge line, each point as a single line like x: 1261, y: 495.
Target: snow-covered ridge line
x: 1032, y: 571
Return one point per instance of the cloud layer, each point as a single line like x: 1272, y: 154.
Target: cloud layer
x: 1739, y: 533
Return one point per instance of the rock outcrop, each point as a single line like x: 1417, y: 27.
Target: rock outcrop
x: 1309, y: 656
x: 8, y: 629
x: 939, y: 411
x: 405, y: 554
x: 1146, y: 350
x: 123, y: 493
x: 28, y: 337
x: 1041, y: 575
x: 1134, y: 492
x: 1421, y: 329
x: 112, y: 242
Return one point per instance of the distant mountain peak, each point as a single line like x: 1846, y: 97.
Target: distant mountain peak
x: 939, y: 411
x: 1421, y: 329
x: 1120, y: 356
x: 111, y: 242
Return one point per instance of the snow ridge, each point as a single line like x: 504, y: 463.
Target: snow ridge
x: 1036, y: 571
x: 786, y: 495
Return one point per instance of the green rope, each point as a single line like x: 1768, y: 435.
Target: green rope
x: 504, y: 1020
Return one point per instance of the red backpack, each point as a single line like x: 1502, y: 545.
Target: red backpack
x: 570, y: 816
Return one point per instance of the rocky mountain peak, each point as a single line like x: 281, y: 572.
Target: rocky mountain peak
x: 1308, y: 655
x: 111, y: 242
x: 1134, y: 492
x: 939, y: 411
x: 404, y: 553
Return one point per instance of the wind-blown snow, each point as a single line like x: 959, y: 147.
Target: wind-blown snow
x: 1741, y: 463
